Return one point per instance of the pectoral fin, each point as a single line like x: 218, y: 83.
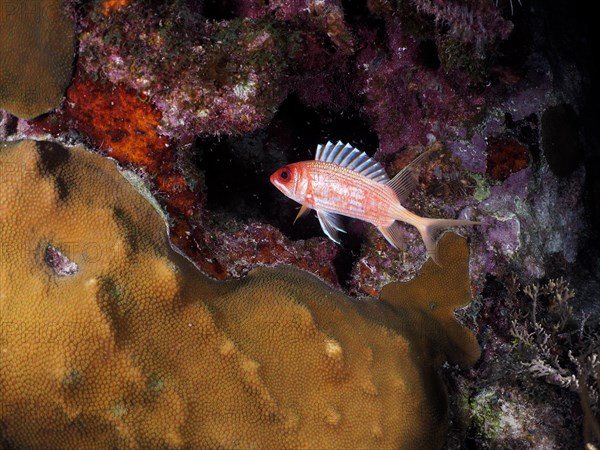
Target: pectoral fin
x: 331, y: 224
x: 393, y: 234
x: 303, y: 211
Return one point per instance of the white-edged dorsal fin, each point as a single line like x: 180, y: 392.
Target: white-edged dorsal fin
x: 353, y: 159
x: 319, y: 151
x: 333, y: 153
x: 405, y: 181
x: 323, y: 151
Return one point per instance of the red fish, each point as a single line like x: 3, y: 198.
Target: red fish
x: 343, y: 181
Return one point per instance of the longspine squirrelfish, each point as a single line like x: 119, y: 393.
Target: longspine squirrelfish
x: 343, y: 181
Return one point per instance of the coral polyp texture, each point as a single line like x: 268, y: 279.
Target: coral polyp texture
x: 111, y: 339
x: 37, y: 49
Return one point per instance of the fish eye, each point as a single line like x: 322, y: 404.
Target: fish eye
x: 285, y: 175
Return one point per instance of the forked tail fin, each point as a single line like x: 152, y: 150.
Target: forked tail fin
x: 428, y: 228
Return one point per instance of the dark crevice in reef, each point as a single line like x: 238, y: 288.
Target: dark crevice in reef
x: 428, y: 54
x: 10, y: 125
x: 358, y: 17
x: 237, y: 170
x: 355, y: 9
x: 219, y: 9
x: 513, y: 52
x: 560, y: 139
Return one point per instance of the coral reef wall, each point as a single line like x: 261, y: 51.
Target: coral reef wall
x: 202, y: 100
x: 111, y: 339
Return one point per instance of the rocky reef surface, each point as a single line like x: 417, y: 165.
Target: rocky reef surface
x: 203, y: 100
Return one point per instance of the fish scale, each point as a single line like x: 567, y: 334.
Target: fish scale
x: 331, y: 185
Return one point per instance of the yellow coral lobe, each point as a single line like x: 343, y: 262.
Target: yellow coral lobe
x: 37, y: 49
x: 111, y: 339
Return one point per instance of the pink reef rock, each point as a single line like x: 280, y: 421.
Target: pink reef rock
x: 327, y: 14
x: 472, y: 21
x: 205, y: 77
x: 406, y: 102
x: 234, y: 250
x: 208, y: 76
x: 321, y: 65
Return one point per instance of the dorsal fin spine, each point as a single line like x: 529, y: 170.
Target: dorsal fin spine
x: 338, y: 158
x: 326, y: 151
x: 356, y: 161
x: 348, y: 158
x: 377, y: 173
x: 319, y: 152
x: 370, y: 171
x: 362, y: 166
x: 345, y: 155
x: 334, y: 152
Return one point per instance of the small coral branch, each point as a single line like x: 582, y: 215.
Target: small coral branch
x: 554, y: 346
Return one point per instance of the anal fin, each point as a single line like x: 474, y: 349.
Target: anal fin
x: 331, y: 223
x: 393, y: 234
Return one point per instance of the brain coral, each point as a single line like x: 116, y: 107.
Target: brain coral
x: 111, y: 339
x: 37, y: 48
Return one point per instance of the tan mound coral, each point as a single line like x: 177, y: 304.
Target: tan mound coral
x: 110, y: 339
x: 37, y: 48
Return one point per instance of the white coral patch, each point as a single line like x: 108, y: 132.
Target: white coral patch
x: 245, y: 89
